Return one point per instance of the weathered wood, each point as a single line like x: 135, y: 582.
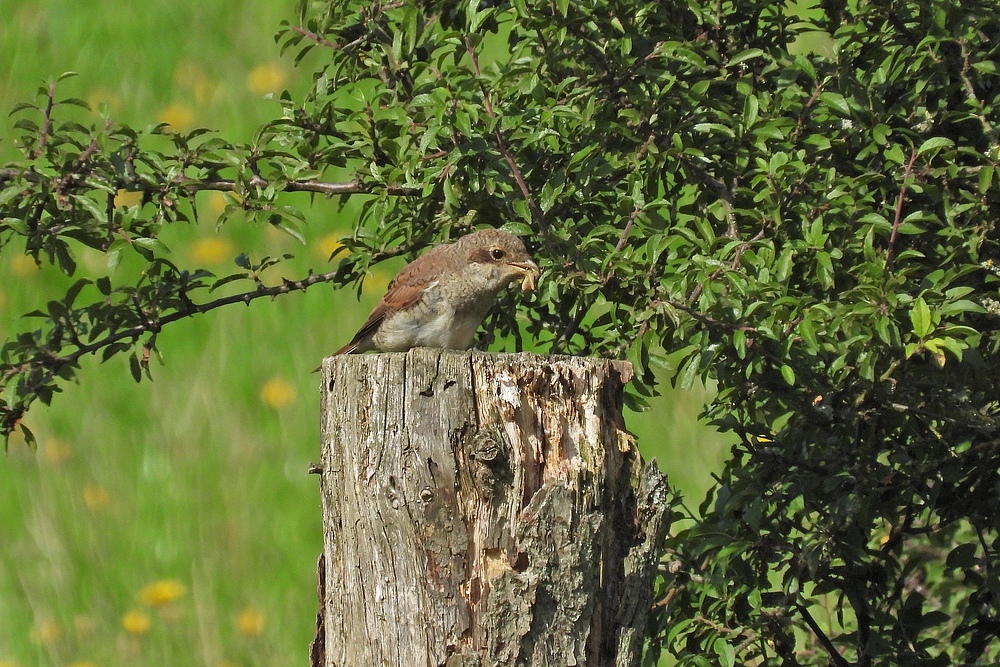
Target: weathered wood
x: 483, y: 510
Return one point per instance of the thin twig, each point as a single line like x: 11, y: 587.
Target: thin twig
x: 43, y: 136
x: 821, y: 636
x: 536, y: 211
x: 55, y: 363
x: 737, y: 255
x: 623, y: 237
x: 890, y: 251
x: 972, y: 97
x: 226, y: 185
x: 319, y: 39
x: 149, y: 326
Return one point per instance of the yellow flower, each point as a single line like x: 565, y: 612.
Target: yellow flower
x: 163, y: 592
x: 95, y: 497
x: 56, y: 451
x: 8, y: 663
x: 177, y: 115
x: 377, y: 283
x: 23, y: 266
x: 212, y: 250
x: 328, y: 245
x: 250, y: 622
x: 47, y: 632
x: 277, y: 393
x: 102, y: 96
x: 217, y: 201
x: 267, y: 78
x: 127, y: 198
x: 136, y: 622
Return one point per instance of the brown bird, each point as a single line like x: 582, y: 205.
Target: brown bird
x: 440, y: 298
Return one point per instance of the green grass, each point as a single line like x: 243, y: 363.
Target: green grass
x: 199, y: 477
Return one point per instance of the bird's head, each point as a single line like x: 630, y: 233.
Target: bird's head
x: 500, y: 257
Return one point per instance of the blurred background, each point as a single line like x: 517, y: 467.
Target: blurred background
x: 173, y: 521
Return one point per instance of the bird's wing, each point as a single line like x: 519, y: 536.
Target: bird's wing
x: 404, y: 291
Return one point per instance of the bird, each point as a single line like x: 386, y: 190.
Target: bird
x: 440, y: 298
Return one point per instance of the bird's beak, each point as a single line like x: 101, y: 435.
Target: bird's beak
x: 530, y: 271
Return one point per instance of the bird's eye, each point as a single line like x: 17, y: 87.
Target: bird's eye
x: 497, y: 253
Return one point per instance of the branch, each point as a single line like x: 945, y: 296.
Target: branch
x: 899, y: 211
x: 821, y: 636
x: 53, y: 364
x: 623, y: 237
x: 46, y: 122
x: 149, y: 326
x: 737, y: 255
x: 189, y: 184
x: 972, y: 97
x: 327, y: 188
x: 319, y: 39
x: 536, y: 212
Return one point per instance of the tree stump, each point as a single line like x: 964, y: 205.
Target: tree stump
x: 483, y: 509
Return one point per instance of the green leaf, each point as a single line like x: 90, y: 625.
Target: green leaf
x: 688, y: 371
x: 135, y: 368
x: 837, y: 102
x: 153, y: 245
x: 920, y: 318
x: 934, y: 144
x: 745, y: 55
x: 725, y: 652
x: 714, y: 128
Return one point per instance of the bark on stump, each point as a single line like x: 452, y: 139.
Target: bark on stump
x: 483, y: 510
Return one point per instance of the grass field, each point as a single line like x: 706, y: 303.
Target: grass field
x: 173, y: 522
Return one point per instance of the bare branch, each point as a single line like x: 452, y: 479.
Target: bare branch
x: 890, y: 251
x: 536, y: 211
x: 821, y: 636
x: 43, y: 136
x: 319, y: 39
x: 328, y: 188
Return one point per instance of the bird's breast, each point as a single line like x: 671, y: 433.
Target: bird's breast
x: 434, y: 321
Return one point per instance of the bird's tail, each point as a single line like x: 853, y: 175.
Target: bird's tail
x: 347, y: 349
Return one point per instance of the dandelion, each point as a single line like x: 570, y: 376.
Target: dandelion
x: 46, y: 632
x: 179, y: 116
x: 95, y: 497
x: 217, y: 202
x: 102, y: 96
x: 277, y: 393
x: 328, y: 245
x: 136, y: 622
x: 267, y: 78
x: 211, y: 250
x: 250, y: 622
x: 56, y: 451
x: 163, y: 592
x: 377, y: 283
x: 23, y: 266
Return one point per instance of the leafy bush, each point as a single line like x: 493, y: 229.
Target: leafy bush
x: 812, y: 228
